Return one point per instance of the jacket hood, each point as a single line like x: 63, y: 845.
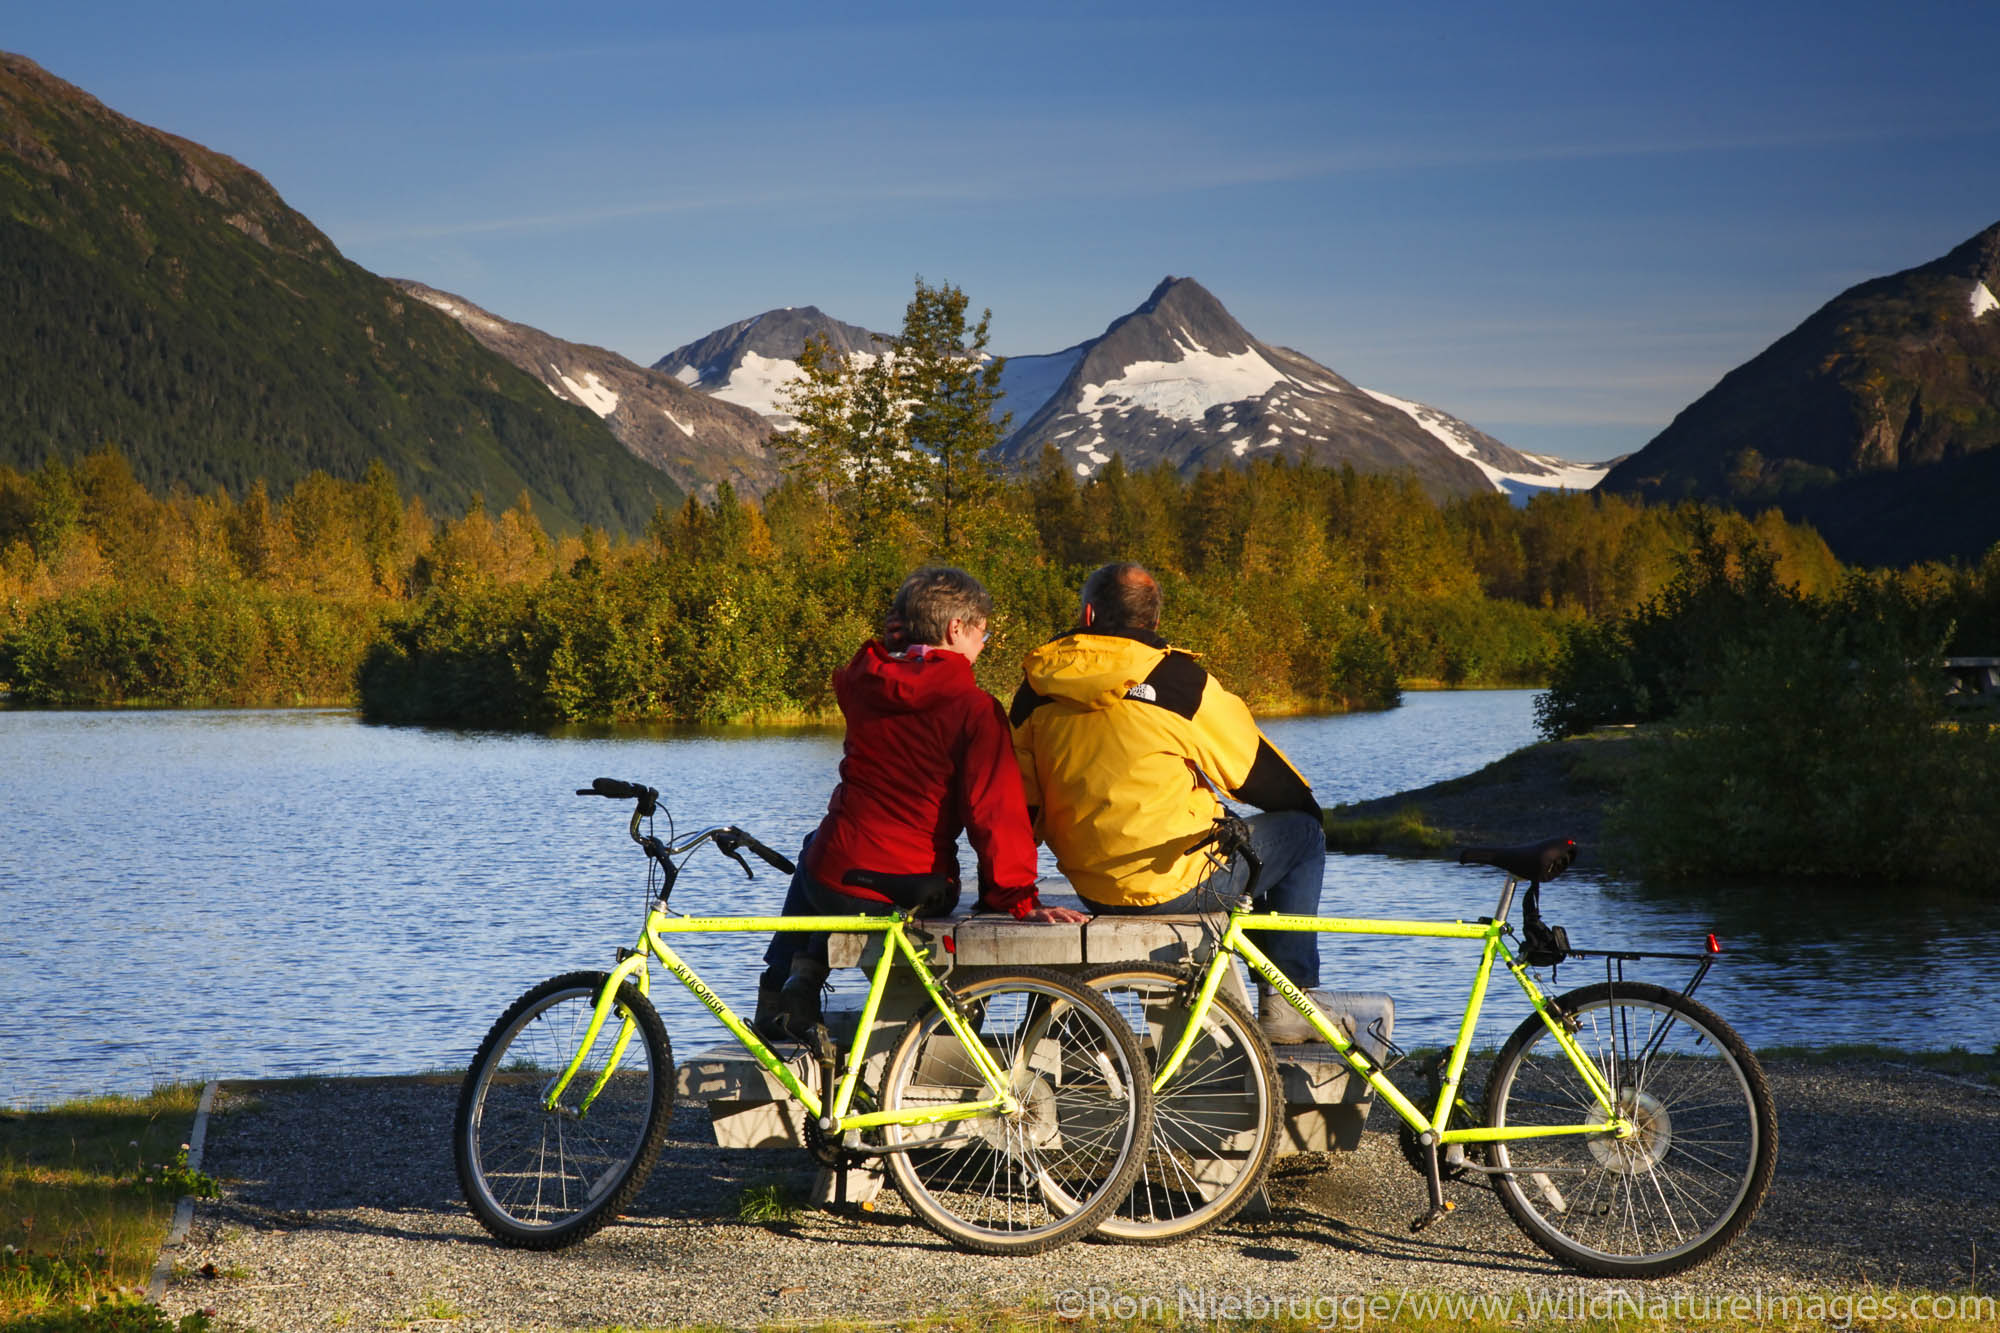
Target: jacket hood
x: 1092, y: 670
x: 885, y: 682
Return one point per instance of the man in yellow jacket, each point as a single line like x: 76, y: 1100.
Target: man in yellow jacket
x: 1123, y: 743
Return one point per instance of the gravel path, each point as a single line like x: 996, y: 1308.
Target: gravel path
x: 341, y: 1210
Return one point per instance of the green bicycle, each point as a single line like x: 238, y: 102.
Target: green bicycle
x: 1012, y: 1114
x: 1627, y: 1129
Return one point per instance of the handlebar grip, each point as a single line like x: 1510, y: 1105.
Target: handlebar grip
x: 616, y: 790
x: 647, y: 797
x: 770, y: 857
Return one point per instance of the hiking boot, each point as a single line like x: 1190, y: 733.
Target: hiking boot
x: 1281, y: 1024
x: 767, y: 1007
x: 797, y: 1009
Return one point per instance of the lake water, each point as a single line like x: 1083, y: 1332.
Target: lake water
x: 253, y: 894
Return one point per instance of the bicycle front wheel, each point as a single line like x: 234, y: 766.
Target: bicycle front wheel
x: 1049, y: 1172
x: 1677, y: 1189
x: 542, y: 1174
x: 1215, y: 1123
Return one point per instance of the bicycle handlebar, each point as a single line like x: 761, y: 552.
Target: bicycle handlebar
x: 728, y: 839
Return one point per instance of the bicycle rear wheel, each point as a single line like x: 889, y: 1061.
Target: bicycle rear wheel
x: 541, y: 1177
x: 1678, y: 1189
x: 1050, y: 1171
x: 1215, y: 1125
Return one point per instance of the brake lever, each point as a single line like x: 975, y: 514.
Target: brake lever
x: 727, y: 842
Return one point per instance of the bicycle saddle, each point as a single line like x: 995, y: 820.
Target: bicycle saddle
x: 919, y: 895
x: 1536, y: 862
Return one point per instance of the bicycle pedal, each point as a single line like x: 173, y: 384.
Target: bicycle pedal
x: 1434, y: 1215
x: 819, y: 1040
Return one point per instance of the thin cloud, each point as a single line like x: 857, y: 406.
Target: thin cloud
x: 367, y: 234
x: 1169, y: 169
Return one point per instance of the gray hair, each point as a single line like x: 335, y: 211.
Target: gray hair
x: 936, y: 595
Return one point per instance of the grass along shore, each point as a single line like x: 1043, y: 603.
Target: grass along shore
x: 87, y: 1191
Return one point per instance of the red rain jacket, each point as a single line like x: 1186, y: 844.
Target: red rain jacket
x: 928, y: 754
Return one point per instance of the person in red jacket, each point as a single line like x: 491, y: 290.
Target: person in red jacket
x: 928, y: 754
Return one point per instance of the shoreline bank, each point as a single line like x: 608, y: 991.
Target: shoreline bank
x: 1551, y: 789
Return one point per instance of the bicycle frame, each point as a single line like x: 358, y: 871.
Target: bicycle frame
x: 1493, y: 948
x: 833, y: 1116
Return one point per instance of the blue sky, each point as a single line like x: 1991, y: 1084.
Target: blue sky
x: 1560, y: 222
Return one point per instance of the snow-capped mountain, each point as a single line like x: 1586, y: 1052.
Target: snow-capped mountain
x: 688, y: 435
x: 748, y: 362
x: 1179, y: 380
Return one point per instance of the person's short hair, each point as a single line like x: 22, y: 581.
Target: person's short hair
x: 1122, y: 597
x: 933, y: 597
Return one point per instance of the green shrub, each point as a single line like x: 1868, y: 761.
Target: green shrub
x: 1676, y: 647
x: 202, y: 646
x: 1823, y: 749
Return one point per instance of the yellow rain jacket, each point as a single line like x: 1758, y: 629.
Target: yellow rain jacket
x: 1114, y: 733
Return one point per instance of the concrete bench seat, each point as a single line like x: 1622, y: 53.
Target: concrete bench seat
x: 1326, y: 1107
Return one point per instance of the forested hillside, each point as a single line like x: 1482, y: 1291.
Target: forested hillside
x: 162, y: 298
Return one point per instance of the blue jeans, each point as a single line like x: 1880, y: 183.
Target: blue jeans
x: 805, y: 897
x: 1292, y: 846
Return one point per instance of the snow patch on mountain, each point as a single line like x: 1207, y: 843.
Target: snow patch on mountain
x: 1550, y: 473
x: 685, y: 429
x: 1186, y: 389
x: 463, y: 314
x: 593, y: 393
x: 1026, y: 382
x: 756, y: 383
x: 759, y: 383
x: 1983, y: 300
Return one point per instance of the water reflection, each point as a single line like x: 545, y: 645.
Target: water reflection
x: 274, y: 893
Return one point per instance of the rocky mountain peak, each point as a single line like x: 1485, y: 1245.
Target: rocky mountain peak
x: 1978, y: 258
x: 1882, y: 401
x: 1179, y: 314
x: 749, y: 362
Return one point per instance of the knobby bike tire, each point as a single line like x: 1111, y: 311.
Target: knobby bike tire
x: 1215, y: 1125
x: 540, y: 1178
x: 1671, y: 1195
x: 1051, y: 1171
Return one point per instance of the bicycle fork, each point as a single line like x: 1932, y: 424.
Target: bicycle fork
x: 632, y: 965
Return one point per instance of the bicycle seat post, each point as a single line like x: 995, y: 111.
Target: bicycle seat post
x: 1506, y: 900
